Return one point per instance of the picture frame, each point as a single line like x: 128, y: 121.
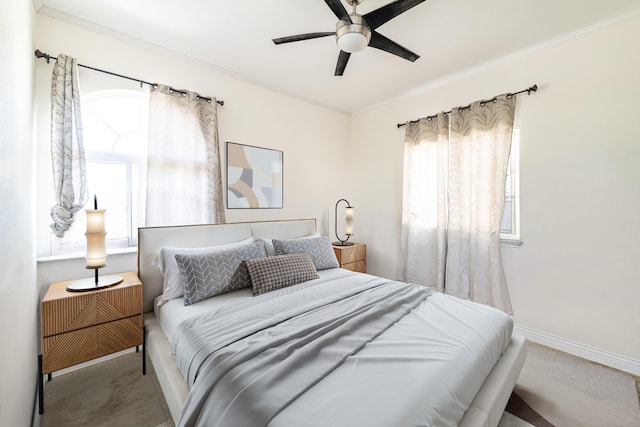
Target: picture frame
x: 254, y: 177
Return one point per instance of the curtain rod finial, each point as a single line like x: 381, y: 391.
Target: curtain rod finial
x: 39, y: 54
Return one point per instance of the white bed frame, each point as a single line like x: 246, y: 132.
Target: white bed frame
x: 486, y: 408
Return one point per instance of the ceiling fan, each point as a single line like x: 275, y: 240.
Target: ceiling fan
x: 354, y: 32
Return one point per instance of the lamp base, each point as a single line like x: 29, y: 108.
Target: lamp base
x: 89, y: 284
x: 342, y: 243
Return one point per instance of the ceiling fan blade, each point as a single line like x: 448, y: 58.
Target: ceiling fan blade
x: 381, y: 42
x: 338, y: 9
x: 300, y: 37
x: 384, y: 14
x: 343, y: 58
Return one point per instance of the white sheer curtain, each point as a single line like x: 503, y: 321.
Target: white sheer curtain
x: 453, y: 201
x: 424, y: 202
x: 67, y: 149
x: 184, y: 184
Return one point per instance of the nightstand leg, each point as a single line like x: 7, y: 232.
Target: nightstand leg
x: 49, y: 376
x: 40, y: 386
x: 144, y: 350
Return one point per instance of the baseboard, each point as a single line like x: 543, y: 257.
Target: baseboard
x: 92, y: 362
x: 584, y: 351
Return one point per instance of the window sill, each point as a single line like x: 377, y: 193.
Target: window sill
x: 77, y: 255
x: 514, y: 243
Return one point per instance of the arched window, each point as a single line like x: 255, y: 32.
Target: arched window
x: 115, y: 140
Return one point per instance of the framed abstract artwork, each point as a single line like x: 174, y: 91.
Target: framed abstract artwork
x: 254, y: 177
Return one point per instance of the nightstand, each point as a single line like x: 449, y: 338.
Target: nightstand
x: 352, y: 257
x: 80, y: 326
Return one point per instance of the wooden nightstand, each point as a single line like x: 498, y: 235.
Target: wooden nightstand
x: 352, y: 257
x: 80, y: 326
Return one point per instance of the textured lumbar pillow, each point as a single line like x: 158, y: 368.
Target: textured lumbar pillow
x: 275, y: 272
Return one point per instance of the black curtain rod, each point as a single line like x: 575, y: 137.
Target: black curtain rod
x: 533, y: 88
x: 39, y: 54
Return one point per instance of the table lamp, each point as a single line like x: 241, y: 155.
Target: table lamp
x: 96, y: 253
x: 348, y: 223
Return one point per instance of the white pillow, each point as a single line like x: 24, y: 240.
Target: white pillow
x: 268, y: 243
x: 166, y: 262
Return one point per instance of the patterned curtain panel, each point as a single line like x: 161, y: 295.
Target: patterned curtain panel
x: 67, y: 148
x: 453, y: 201
x: 184, y: 184
x: 479, y: 146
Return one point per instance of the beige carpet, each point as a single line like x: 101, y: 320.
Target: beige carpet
x: 554, y: 389
x: 569, y: 391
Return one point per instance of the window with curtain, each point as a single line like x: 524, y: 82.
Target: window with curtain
x: 455, y: 191
x: 115, y: 134
x: 184, y: 179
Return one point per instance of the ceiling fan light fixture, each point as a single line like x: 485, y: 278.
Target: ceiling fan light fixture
x: 353, y: 36
x: 352, y: 42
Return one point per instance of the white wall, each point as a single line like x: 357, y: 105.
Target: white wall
x: 314, y: 140
x: 18, y: 290
x: 577, y: 275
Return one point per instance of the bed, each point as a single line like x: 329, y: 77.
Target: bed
x: 417, y: 369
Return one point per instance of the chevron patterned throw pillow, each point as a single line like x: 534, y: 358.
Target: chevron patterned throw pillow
x: 214, y: 273
x: 172, y: 286
x: 319, y: 248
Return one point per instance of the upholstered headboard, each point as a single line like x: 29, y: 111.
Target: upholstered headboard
x: 152, y: 239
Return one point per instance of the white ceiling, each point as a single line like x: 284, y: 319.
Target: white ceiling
x: 452, y: 36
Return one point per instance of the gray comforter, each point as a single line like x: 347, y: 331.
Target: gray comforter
x: 244, y: 367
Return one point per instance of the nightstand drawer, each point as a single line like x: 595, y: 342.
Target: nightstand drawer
x: 358, y: 266
x: 352, y: 257
x: 349, y: 254
x: 71, y: 348
x: 64, y: 311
